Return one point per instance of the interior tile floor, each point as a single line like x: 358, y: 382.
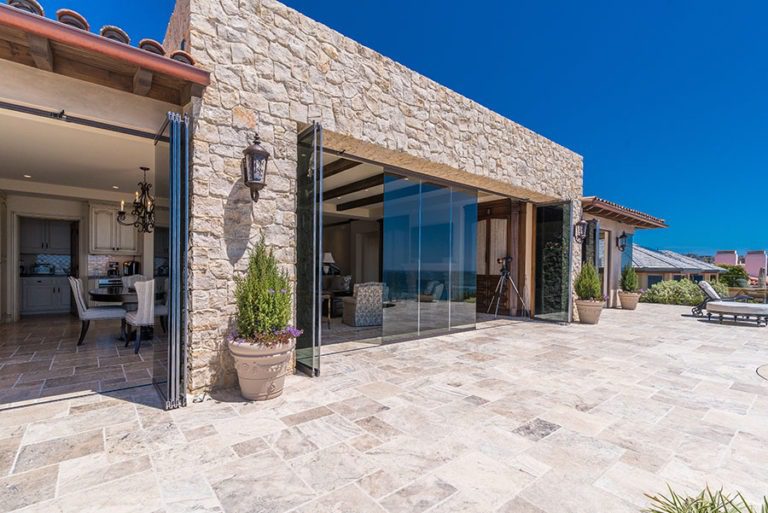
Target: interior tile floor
x: 40, y: 359
x: 528, y: 418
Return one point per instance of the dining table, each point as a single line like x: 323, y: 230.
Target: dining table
x: 118, y: 294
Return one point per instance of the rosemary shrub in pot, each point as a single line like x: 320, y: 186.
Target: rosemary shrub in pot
x: 629, y: 294
x: 590, y: 302
x: 263, y: 342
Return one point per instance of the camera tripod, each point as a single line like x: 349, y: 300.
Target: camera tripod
x: 505, y: 277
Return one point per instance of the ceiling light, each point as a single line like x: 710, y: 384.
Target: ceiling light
x: 115, y: 187
x: 27, y: 176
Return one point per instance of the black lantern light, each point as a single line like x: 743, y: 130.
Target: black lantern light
x: 580, y: 231
x: 621, y: 241
x: 255, y: 167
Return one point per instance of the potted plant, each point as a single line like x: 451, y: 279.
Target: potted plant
x: 629, y: 294
x: 590, y: 302
x: 263, y: 343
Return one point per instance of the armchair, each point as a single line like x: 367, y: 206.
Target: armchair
x: 365, y: 307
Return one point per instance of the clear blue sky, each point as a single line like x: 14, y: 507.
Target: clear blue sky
x: 666, y: 100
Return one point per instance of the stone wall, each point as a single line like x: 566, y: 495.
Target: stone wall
x: 276, y: 70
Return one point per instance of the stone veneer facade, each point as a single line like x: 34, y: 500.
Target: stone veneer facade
x: 275, y: 70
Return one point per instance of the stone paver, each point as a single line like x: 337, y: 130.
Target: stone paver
x: 562, y: 418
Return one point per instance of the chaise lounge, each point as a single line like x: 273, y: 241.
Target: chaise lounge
x: 710, y: 294
x: 737, y: 309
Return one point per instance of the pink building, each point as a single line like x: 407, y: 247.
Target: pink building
x: 755, y: 261
x: 728, y: 257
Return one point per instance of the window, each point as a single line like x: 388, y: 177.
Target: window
x: 653, y: 279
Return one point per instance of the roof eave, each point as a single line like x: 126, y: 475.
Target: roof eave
x: 88, y: 42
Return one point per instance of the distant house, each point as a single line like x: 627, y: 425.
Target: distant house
x: 655, y: 266
x: 727, y: 257
x: 756, y: 262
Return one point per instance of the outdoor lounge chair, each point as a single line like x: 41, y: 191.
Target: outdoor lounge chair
x: 737, y: 309
x: 710, y: 294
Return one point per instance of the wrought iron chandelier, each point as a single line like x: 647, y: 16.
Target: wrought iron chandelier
x: 143, y: 212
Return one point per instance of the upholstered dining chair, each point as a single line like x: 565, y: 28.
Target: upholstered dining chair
x: 161, y: 307
x: 88, y: 314
x: 144, y: 314
x: 130, y: 281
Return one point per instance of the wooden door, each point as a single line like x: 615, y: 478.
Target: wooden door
x: 498, y: 229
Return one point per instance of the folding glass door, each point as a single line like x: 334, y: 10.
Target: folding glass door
x: 428, y: 258
x: 553, y: 262
x: 309, y: 248
x: 170, y: 260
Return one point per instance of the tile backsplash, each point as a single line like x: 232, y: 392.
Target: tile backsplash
x: 97, y: 264
x: 62, y: 263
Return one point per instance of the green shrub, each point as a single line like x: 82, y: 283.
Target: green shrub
x: 587, y: 283
x: 683, y: 292
x: 732, y: 274
x: 263, y: 299
x: 629, y: 281
x: 705, y: 502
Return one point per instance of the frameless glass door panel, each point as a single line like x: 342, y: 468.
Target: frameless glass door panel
x: 435, y: 262
x: 401, y: 255
x: 170, y: 261
x: 309, y: 248
x: 464, y: 259
x: 553, y: 262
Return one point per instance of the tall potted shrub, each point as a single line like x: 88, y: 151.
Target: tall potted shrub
x: 590, y: 302
x: 629, y: 295
x: 264, y: 341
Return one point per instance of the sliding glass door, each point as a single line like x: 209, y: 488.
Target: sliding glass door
x: 428, y: 258
x: 553, y: 262
x: 309, y: 248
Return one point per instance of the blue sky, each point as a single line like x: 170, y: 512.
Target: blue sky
x: 667, y: 101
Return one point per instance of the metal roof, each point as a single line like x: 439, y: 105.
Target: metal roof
x: 648, y: 260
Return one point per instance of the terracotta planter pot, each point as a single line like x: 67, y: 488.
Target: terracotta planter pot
x: 589, y: 311
x: 629, y: 300
x: 261, y: 370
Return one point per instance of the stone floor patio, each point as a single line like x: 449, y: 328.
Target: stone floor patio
x: 528, y: 418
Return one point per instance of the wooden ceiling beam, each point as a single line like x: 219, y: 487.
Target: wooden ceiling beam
x: 142, y: 82
x: 338, y: 166
x: 40, y: 50
x: 358, y: 186
x: 362, y: 202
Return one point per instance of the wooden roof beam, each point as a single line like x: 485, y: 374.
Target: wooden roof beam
x: 358, y: 186
x: 362, y: 202
x: 338, y: 166
x: 142, y: 82
x: 40, y: 50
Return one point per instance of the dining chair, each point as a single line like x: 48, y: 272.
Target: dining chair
x: 129, y: 281
x: 161, y: 307
x: 88, y: 314
x: 145, y: 313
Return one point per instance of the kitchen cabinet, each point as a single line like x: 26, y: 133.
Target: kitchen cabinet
x: 108, y: 237
x: 45, y: 295
x: 44, y: 236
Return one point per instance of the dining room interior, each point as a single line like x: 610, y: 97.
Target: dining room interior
x: 84, y: 217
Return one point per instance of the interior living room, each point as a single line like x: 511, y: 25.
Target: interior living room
x: 407, y: 256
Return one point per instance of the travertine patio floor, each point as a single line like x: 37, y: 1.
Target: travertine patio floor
x: 529, y: 417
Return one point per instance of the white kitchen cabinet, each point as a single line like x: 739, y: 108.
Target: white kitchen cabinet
x: 108, y: 237
x: 45, y: 295
x: 59, y: 234
x: 44, y: 236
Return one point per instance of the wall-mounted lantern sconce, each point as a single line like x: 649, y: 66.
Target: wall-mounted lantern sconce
x: 255, y: 167
x: 580, y: 231
x: 621, y: 241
